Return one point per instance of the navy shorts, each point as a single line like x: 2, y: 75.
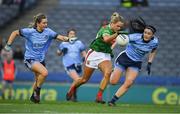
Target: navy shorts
x: 124, y: 62
x: 29, y: 62
x: 76, y: 67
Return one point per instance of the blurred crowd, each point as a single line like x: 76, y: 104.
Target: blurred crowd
x: 134, y: 3
x: 22, y: 4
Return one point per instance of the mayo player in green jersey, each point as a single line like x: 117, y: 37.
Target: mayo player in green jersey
x: 99, y: 57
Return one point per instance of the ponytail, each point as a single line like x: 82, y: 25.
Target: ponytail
x: 37, y: 19
x: 116, y: 17
x: 137, y: 25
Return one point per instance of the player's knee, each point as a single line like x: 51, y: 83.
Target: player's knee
x: 44, y: 73
x: 84, y: 80
x: 113, y: 81
x: 77, y: 79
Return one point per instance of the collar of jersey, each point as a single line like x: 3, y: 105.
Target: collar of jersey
x: 38, y: 31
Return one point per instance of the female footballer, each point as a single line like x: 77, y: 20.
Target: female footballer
x: 73, y: 54
x: 130, y: 60
x: 38, y: 38
x: 99, y: 57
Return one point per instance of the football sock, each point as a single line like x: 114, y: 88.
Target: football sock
x: 37, y: 90
x: 72, y: 90
x: 100, y: 92
x: 114, y: 99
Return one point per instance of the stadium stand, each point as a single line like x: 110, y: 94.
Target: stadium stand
x: 86, y: 16
x: 10, y: 10
x: 7, y: 13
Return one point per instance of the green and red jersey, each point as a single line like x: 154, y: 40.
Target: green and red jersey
x: 98, y: 44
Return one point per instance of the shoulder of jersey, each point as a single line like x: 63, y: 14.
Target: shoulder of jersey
x: 156, y: 40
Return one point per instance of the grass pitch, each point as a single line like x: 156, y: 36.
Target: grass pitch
x: 15, y: 106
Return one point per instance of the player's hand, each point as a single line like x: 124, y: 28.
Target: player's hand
x: 65, y: 39
x: 148, y: 68
x: 65, y: 51
x: 83, y: 59
x: 7, y: 47
x: 122, y: 32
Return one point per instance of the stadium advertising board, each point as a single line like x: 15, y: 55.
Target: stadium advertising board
x: 142, y: 94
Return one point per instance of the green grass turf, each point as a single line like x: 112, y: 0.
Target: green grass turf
x: 15, y: 106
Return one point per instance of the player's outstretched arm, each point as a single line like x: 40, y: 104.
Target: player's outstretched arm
x: 10, y: 40
x: 62, y: 38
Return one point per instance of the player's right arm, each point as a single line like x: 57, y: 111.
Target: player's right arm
x: 108, y: 38
x: 11, y: 38
x: 13, y: 35
x: 113, y: 44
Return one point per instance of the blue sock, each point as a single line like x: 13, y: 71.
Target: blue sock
x: 114, y: 99
x: 38, y: 88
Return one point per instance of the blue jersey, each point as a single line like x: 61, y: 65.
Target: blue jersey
x: 73, y: 55
x: 137, y: 48
x: 37, y: 43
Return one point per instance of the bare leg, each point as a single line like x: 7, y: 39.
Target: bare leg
x: 106, y: 68
x: 87, y: 72
x: 131, y: 75
x: 40, y: 76
x: 35, y: 81
x: 115, y: 76
x: 75, y: 76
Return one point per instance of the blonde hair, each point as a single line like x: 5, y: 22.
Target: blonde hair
x: 37, y: 19
x: 116, y: 17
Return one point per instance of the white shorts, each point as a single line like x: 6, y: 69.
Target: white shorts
x: 93, y: 58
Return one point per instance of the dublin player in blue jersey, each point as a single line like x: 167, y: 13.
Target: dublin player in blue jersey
x: 73, y: 54
x: 38, y: 38
x: 130, y: 60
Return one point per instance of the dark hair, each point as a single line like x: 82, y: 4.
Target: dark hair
x: 71, y: 29
x: 37, y: 19
x: 152, y: 28
x: 137, y: 25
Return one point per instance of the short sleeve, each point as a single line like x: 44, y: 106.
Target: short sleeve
x: 25, y: 32
x: 106, y: 32
x: 82, y: 46
x: 52, y: 34
x: 156, y: 43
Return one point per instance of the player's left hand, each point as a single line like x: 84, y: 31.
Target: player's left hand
x: 148, y: 68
